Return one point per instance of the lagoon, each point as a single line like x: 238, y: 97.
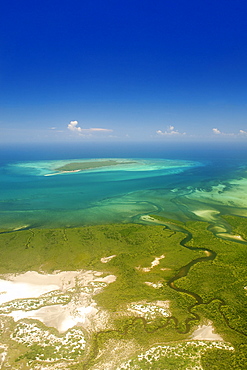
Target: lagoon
x: 181, y: 185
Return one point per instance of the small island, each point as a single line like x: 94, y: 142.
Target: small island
x: 89, y: 165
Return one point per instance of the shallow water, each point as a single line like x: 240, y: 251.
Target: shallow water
x: 195, y: 183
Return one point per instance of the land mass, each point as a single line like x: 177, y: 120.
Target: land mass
x: 82, y: 166
x: 123, y: 296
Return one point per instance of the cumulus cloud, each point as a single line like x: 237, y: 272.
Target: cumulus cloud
x: 216, y: 131
x: 170, y: 131
x: 73, y: 126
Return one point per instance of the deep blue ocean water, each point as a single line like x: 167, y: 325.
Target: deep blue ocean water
x: 199, y: 181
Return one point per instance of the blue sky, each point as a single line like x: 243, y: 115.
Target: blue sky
x: 123, y: 71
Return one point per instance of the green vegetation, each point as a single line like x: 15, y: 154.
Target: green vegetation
x: 182, y: 356
x: 82, y: 248
x: 80, y: 166
x: 220, y: 283
x: 168, y: 220
x: 238, y: 224
x: 215, y: 359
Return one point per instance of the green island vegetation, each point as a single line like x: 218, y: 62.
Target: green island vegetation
x: 201, y: 276
x: 82, y: 166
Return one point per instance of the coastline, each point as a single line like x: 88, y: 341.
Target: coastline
x: 61, y: 172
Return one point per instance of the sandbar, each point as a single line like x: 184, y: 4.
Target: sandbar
x: 228, y: 236
x: 206, y: 214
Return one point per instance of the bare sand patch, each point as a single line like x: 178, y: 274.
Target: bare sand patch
x: 107, y: 259
x: 120, y: 350
x: 148, y: 218
x: 206, y: 214
x: 20, y: 227
x: 206, y: 332
x: 3, y: 354
x: 154, y: 285
x: 108, y: 279
x: 228, y: 236
x: 150, y: 310
x: 33, y: 284
x: 151, y: 219
x: 61, y: 365
x: 75, y: 288
x: 154, y: 263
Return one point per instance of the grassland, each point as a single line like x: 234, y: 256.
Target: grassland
x: 141, y: 332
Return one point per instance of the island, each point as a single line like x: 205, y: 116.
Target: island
x: 90, y: 165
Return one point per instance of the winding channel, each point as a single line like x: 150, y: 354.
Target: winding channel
x: 93, y: 350
x: 183, y: 271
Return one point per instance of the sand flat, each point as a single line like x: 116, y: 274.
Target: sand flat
x: 228, y: 236
x: 206, y: 214
x: 78, y: 309
x: 154, y: 263
x: 32, y: 284
x: 206, y: 332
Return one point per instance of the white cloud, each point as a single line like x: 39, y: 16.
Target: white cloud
x: 170, y: 131
x: 242, y: 132
x: 216, y: 131
x: 98, y: 129
x: 73, y: 126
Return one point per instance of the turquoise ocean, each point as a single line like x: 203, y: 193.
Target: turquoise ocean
x: 178, y: 181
